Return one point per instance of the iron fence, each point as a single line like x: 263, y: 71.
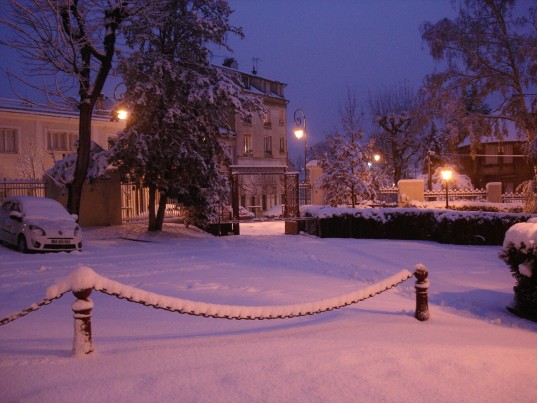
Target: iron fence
x: 135, y: 204
x: 22, y: 187
x: 390, y: 195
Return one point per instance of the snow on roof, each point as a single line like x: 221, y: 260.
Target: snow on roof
x: 20, y: 106
x: 512, y: 135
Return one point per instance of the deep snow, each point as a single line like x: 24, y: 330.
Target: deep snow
x: 471, y: 349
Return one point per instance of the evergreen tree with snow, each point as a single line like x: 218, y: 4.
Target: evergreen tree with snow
x: 347, y: 176
x: 175, y: 142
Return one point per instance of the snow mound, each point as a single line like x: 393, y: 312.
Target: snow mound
x: 523, y: 233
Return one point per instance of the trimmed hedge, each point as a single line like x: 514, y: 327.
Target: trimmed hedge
x: 456, y: 227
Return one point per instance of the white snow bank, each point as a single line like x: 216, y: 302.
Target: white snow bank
x: 523, y: 233
x: 85, y: 278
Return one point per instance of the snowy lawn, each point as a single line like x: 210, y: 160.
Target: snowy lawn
x: 471, y: 349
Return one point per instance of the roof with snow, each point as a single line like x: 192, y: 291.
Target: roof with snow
x: 102, y: 111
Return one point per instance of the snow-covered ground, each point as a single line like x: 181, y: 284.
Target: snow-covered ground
x: 471, y: 350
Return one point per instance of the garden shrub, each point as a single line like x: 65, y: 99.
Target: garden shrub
x: 519, y: 253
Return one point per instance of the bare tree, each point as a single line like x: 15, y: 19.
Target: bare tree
x: 30, y: 161
x: 68, y: 48
x: 490, y: 55
x: 394, y: 110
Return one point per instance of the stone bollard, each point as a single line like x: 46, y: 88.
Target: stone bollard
x: 82, y: 308
x: 422, y: 312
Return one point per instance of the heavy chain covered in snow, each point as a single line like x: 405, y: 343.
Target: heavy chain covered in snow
x: 85, y: 278
x: 31, y: 308
x: 252, y: 313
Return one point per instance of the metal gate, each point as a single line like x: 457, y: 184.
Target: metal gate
x: 291, y: 187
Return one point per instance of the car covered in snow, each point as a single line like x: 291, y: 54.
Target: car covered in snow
x: 244, y: 214
x: 38, y: 224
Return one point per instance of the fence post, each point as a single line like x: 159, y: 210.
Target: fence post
x: 422, y: 312
x: 82, y: 308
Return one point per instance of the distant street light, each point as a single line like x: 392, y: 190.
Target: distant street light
x: 300, y: 132
x: 446, y: 174
x: 377, y: 157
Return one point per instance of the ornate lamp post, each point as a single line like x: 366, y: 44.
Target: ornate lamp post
x: 119, y: 112
x: 300, y: 121
x: 446, y: 174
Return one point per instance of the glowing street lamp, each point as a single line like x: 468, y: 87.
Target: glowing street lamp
x: 122, y: 114
x: 446, y: 174
x: 377, y: 157
x: 300, y: 132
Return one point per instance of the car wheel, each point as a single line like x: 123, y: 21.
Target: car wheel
x: 21, y: 244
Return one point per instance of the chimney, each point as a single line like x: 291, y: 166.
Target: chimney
x: 231, y: 63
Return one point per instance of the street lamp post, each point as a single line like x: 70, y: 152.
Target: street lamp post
x: 300, y: 121
x: 446, y: 174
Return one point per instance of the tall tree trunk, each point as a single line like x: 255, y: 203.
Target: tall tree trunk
x: 160, y: 212
x: 83, y: 158
x: 151, y: 209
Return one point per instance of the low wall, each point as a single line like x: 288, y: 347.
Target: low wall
x: 100, y: 204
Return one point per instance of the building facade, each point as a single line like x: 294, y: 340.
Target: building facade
x: 260, y: 147
x: 497, y: 161
x: 32, y: 138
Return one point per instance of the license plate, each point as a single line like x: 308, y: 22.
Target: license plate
x: 60, y: 241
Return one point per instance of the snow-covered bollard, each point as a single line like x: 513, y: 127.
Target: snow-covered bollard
x: 422, y: 312
x: 82, y: 309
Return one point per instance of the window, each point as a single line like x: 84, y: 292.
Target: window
x: 247, y: 120
x: 8, y: 140
x: 282, y: 146
x: 267, y: 119
x: 281, y: 117
x: 508, y: 152
x: 247, y: 144
x: 268, y: 145
x: 491, y: 154
x: 61, y: 141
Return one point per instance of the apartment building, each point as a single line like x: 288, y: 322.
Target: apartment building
x: 260, y: 148
x: 33, y: 137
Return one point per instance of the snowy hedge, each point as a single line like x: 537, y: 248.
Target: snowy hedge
x: 446, y: 226
x: 519, y: 253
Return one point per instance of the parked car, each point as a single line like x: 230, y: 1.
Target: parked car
x: 38, y: 224
x: 244, y: 214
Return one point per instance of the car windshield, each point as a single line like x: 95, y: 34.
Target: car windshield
x: 45, y: 209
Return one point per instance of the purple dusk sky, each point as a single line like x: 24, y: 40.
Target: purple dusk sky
x: 319, y: 48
